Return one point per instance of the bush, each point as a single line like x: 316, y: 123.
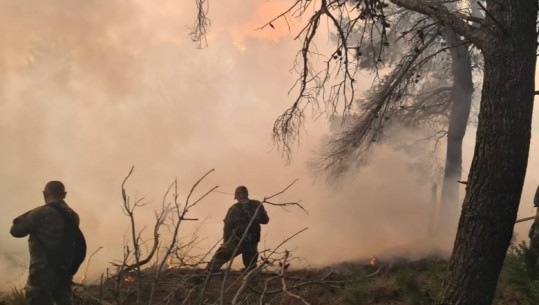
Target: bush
x: 355, y: 290
x: 436, y: 271
x: 515, y: 275
x: 407, y: 281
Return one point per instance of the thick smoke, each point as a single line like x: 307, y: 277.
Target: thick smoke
x: 90, y: 88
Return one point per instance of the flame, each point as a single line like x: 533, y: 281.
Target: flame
x: 169, y: 263
x: 128, y: 279
x: 83, y: 279
x: 374, y: 261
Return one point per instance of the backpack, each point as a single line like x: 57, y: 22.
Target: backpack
x: 68, y: 257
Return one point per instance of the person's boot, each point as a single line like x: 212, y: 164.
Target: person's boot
x: 213, y: 267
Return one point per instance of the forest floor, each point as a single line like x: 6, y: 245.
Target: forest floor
x: 372, y: 281
x: 398, y: 282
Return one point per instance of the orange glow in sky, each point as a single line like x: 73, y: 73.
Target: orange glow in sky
x: 258, y: 25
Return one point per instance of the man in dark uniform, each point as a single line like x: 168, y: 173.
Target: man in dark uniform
x: 45, y: 226
x: 533, y: 253
x: 241, y: 232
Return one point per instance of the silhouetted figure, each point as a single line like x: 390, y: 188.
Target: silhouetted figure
x: 46, y: 226
x: 242, y: 220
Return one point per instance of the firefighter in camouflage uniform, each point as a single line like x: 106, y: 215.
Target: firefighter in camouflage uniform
x: 45, y: 226
x: 241, y: 232
x: 533, y: 254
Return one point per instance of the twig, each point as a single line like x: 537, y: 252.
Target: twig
x: 84, y: 277
x: 285, y: 204
x: 283, y: 281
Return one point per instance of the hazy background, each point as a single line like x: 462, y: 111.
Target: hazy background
x: 90, y: 88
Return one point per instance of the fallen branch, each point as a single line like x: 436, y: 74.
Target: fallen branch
x: 283, y: 281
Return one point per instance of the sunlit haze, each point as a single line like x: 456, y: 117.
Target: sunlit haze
x: 91, y: 88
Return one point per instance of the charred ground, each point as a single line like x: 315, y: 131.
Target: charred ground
x: 396, y: 281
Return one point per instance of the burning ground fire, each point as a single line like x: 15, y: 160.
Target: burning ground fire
x: 374, y: 263
x: 128, y: 279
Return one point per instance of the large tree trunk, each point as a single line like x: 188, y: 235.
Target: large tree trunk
x: 458, y: 121
x: 501, y: 155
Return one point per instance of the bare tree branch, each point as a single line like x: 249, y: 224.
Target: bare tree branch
x: 438, y: 10
x: 202, y: 24
x: 285, y: 204
x: 283, y: 281
x: 367, y: 128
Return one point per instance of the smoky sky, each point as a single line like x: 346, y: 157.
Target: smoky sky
x: 90, y: 88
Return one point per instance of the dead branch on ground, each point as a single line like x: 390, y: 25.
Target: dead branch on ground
x: 134, y: 258
x: 181, y: 213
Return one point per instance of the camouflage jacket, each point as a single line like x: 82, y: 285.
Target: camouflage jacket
x: 45, y: 226
x: 238, y: 217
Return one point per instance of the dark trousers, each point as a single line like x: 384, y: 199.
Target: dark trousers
x: 54, y: 290
x: 248, y: 251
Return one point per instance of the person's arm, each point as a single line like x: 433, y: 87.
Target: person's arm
x: 262, y: 215
x: 22, y: 225
x: 228, y: 229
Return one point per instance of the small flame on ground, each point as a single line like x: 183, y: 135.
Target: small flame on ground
x: 169, y: 263
x: 128, y: 279
x: 374, y: 261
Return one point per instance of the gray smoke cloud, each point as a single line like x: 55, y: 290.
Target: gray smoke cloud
x: 90, y: 88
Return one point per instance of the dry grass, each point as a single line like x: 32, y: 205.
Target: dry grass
x: 398, y: 282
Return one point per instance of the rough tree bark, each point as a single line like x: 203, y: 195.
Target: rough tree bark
x: 508, y: 41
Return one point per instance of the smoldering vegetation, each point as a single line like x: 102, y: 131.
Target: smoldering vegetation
x: 88, y: 90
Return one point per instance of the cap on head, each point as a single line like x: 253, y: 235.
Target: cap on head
x: 55, y: 188
x: 241, y: 190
